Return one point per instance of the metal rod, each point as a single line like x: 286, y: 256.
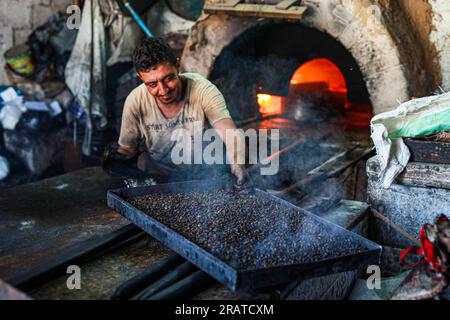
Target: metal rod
x: 145, y: 278
x: 395, y: 226
x: 77, y: 255
x: 177, y: 274
x: 276, y: 154
x: 257, y: 119
x: 138, y: 20
x: 185, y: 288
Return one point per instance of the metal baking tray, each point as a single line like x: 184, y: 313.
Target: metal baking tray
x: 248, y: 277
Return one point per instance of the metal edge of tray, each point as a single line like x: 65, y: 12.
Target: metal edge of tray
x: 185, y: 248
x: 298, y: 272
x: 275, y: 275
x: 365, y: 241
x: 223, y: 272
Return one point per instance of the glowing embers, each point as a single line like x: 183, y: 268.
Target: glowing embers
x: 270, y: 105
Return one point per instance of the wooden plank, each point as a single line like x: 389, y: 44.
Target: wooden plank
x: 429, y: 151
x: 258, y: 10
x: 425, y: 175
x: 230, y: 3
x: 285, y: 4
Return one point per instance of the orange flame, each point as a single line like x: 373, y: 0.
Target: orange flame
x: 269, y: 105
x: 320, y: 71
x: 314, y: 75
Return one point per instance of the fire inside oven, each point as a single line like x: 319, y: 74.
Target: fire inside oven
x: 295, y: 73
x: 317, y: 86
x: 318, y: 80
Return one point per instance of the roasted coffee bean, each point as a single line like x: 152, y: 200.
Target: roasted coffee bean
x: 245, y: 230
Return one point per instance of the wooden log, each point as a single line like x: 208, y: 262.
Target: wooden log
x: 285, y: 4
x: 230, y: 3
x: 258, y: 10
x: 418, y: 174
x: 429, y: 151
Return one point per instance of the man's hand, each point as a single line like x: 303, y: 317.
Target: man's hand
x: 120, y: 164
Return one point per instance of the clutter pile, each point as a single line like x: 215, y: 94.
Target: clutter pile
x: 67, y: 85
x: 36, y: 105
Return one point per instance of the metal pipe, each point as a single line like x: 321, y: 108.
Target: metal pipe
x: 138, y: 20
x: 258, y: 118
x: 145, y: 278
x: 185, y: 288
x: 276, y: 154
x: 172, y: 277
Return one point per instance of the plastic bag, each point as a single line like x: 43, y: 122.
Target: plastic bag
x: 415, y: 118
x: 10, y: 116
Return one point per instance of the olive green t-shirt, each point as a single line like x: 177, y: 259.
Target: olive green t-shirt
x: 143, y: 121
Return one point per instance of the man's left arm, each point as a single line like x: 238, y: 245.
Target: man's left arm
x: 235, y: 145
x: 214, y: 106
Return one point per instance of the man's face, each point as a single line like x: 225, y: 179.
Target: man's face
x: 162, y: 82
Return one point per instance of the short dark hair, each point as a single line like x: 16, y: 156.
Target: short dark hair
x: 151, y: 52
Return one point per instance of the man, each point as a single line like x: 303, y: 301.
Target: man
x: 166, y: 101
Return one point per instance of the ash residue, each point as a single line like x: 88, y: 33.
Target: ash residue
x: 244, y: 230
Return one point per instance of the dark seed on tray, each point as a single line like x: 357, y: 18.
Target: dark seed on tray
x: 244, y: 230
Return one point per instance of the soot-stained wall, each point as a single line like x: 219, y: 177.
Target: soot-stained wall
x: 402, y: 48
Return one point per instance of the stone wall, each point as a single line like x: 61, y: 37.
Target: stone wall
x: 18, y: 18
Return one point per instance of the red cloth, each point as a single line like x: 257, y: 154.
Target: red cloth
x: 428, y: 250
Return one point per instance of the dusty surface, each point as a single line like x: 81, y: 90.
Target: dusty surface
x: 38, y: 220
x: 410, y: 207
x: 102, y: 276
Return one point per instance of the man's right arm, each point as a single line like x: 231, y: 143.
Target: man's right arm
x: 129, y: 131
